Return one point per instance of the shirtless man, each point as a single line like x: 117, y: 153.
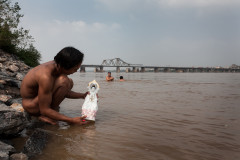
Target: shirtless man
x: 109, y: 77
x: 47, y: 85
x: 121, y: 79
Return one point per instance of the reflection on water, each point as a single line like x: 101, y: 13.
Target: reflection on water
x: 154, y: 116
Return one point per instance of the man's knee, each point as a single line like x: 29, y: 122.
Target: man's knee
x: 31, y: 106
x: 64, y: 81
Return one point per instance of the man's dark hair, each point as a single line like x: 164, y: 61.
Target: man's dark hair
x: 121, y: 77
x: 69, y: 57
x: 109, y: 72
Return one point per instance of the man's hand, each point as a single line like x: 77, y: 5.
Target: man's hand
x: 79, y: 120
x: 85, y: 94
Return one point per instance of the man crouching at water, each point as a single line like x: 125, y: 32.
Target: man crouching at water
x: 47, y: 85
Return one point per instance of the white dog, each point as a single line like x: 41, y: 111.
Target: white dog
x: 90, y: 105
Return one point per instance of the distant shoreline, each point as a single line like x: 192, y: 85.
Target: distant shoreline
x: 122, y: 71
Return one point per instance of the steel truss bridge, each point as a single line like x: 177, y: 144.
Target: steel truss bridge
x: 118, y: 63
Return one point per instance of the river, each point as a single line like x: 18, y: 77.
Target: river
x: 153, y: 116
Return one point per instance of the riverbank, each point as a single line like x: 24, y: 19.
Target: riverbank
x: 15, y: 123
x: 12, y: 117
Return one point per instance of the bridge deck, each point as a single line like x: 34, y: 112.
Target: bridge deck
x: 164, y: 67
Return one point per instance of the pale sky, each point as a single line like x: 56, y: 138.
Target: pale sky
x: 150, y: 32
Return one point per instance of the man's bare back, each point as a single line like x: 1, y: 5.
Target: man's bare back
x: 47, y: 85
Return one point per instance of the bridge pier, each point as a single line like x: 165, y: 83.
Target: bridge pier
x: 134, y: 69
x: 166, y: 69
x: 156, y: 69
x: 96, y: 69
x: 128, y: 70
x: 195, y: 70
x: 82, y: 69
x: 118, y: 69
x: 142, y: 69
x: 179, y: 70
x: 101, y: 69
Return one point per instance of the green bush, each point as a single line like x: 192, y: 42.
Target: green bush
x: 30, y: 56
x: 14, y: 39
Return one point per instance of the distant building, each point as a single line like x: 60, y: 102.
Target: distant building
x: 234, y: 66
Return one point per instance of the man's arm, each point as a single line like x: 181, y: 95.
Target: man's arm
x: 109, y: 78
x: 45, y: 100
x: 76, y: 95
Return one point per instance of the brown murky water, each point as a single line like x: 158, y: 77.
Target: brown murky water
x: 154, y: 116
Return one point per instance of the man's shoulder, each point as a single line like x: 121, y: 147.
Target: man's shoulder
x: 44, y: 69
x: 41, y: 72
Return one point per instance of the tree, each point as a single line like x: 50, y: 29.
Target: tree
x: 30, y: 55
x: 15, y: 39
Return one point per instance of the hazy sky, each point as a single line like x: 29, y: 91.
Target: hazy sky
x: 149, y: 32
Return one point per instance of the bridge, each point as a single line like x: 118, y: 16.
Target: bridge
x: 118, y: 63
